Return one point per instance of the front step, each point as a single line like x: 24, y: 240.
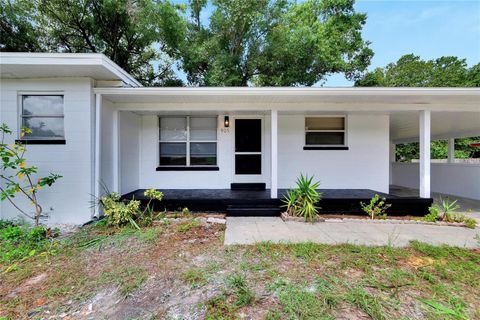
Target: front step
x: 248, y: 186
x: 253, y: 210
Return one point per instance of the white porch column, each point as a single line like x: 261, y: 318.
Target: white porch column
x: 451, y: 150
x: 116, y: 151
x: 274, y: 155
x: 97, y: 151
x: 425, y: 123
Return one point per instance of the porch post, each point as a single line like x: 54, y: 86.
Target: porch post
x: 425, y: 122
x: 451, y: 150
x: 116, y: 150
x: 274, y: 155
x: 97, y: 150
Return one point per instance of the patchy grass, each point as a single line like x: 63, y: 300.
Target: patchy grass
x: 182, y: 270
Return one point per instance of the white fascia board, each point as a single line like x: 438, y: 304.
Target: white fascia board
x: 66, y: 59
x: 288, y: 91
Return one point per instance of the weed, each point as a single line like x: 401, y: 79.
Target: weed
x: 302, y: 303
x: 433, y: 214
x: 442, y: 310
x: 368, y: 303
x: 150, y: 235
x: 470, y: 223
x: 376, y: 208
x: 244, y: 295
x: 195, y: 277
x: 219, y: 308
x: 187, y: 226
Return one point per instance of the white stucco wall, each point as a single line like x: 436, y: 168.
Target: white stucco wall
x: 364, y: 165
x: 129, y: 128
x: 67, y: 201
x: 458, y: 179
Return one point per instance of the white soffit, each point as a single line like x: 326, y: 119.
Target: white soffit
x: 404, y: 126
x: 23, y: 65
x: 347, y: 99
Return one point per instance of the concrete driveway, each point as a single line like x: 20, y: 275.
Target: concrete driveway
x: 248, y: 230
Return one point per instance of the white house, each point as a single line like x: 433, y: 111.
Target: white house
x: 96, y: 125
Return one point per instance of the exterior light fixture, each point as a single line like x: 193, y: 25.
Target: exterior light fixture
x: 226, y: 122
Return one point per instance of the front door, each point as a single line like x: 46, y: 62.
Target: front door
x: 248, y: 150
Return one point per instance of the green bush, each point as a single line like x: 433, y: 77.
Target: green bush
x: 470, y: 223
x: 376, y: 208
x: 18, y: 242
x: 302, y: 200
x: 122, y: 212
x: 433, y: 214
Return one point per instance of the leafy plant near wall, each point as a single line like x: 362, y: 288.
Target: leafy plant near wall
x: 121, y: 213
x: 376, y: 207
x: 302, y: 200
x: 19, y: 178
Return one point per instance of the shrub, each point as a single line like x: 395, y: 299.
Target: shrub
x: 470, y: 223
x: 376, y: 208
x: 122, y: 212
x: 433, y: 214
x: 19, y: 242
x: 302, y: 200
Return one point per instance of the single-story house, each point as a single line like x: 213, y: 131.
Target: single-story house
x: 98, y: 127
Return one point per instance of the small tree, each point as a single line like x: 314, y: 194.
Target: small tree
x: 20, y: 177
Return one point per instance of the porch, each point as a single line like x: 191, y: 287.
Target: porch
x: 185, y: 142
x: 260, y: 203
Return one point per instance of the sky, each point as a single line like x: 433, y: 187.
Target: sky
x: 428, y: 28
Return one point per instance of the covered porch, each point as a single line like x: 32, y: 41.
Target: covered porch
x: 374, y: 120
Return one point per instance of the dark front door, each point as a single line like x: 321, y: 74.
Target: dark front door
x: 248, y: 146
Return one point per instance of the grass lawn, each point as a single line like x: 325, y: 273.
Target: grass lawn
x: 181, y: 270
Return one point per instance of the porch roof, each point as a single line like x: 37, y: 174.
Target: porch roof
x: 342, y: 99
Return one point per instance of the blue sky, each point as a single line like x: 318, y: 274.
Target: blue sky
x: 427, y: 28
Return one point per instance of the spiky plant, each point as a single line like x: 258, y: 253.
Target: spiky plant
x: 302, y: 201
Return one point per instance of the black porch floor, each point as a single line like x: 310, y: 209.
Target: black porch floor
x: 334, y: 201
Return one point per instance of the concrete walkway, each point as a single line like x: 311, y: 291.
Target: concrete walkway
x: 248, y: 230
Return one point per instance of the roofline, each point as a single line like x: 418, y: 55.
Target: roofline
x: 285, y: 91
x: 19, y: 58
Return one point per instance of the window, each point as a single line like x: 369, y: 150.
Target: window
x: 325, y: 131
x: 43, y: 115
x: 188, y: 141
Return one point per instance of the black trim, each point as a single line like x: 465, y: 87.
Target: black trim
x: 40, y: 141
x: 192, y: 168
x: 325, y: 148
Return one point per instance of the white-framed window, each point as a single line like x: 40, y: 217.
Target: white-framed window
x: 326, y: 131
x: 43, y: 115
x: 188, y: 141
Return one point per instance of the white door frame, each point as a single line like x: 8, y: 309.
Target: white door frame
x: 246, y: 178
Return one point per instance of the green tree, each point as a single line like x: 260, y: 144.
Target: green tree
x: 273, y: 43
x: 135, y: 34
x: 17, y: 33
x: 411, y: 71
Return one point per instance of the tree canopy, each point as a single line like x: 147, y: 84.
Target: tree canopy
x: 240, y: 43
x: 411, y: 71
x: 135, y: 34
x: 273, y: 43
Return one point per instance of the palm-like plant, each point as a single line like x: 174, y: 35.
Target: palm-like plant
x: 302, y: 200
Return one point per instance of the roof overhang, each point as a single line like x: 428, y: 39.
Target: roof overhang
x: 345, y: 99
x: 24, y: 65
